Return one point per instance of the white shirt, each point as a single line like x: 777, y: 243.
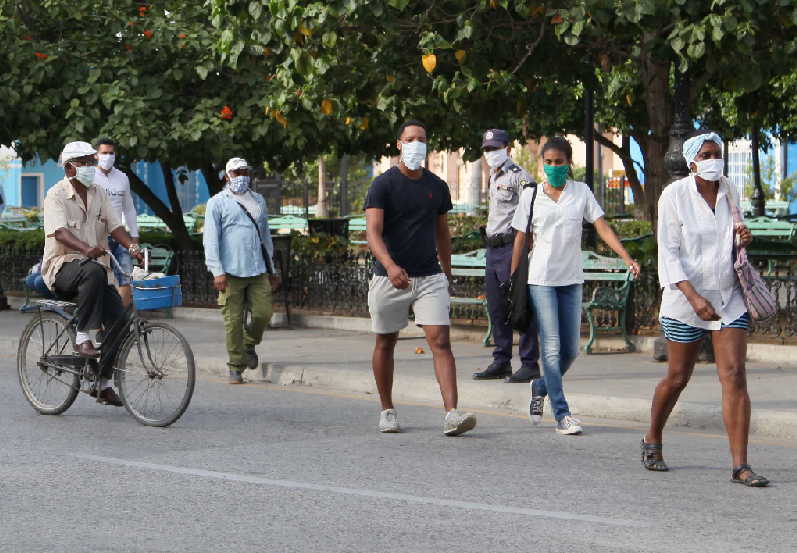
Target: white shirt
x: 556, y: 229
x: 117, y: 187
x: 696, y: 244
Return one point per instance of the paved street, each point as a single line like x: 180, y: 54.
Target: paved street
x: 267, y: 468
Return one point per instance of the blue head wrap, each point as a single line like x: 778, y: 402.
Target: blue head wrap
x: 693, y: 145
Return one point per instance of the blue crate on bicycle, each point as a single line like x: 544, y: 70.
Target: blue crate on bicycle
x: 157, y: 293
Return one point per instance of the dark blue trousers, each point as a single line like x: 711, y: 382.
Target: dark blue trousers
x: 499, y: 262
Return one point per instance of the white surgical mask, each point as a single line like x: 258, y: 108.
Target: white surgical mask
x: 106, y: 161
x: 709, y: 169
x: 238, y: 185
x: 85, y: 175
x: 412, y: 154
x: 496, y: 158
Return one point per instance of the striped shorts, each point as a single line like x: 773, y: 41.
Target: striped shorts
x: 676, y: 331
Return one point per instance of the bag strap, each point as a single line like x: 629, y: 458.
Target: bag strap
x: 736, y: 216
x: 269, y: 268
x: 531, y: 210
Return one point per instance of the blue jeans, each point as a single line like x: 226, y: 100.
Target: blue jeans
x: 125, y: 261
x: 558, y: 313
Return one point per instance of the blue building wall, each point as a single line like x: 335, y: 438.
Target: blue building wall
x: 17, y: 182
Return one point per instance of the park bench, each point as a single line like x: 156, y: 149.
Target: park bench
x: 472, y: 264
x: 607, y: 297
x: 160, y: 258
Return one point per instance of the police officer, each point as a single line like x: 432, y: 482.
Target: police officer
x: 507, y: 180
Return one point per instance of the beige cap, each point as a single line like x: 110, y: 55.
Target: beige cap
x: 74, y: 150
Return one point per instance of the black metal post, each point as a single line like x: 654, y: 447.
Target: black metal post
x: 759, y: 199
x: 589, y: 138
x: 681, y: 126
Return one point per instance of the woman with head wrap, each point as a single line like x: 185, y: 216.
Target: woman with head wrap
x: 701, y: 294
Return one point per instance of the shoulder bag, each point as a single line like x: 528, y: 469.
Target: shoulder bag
x: 516, y: 289
x: 760, y: 302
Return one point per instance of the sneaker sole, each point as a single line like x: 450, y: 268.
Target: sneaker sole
x: 390, y: 430
x: 466, y: 425
x: 570, y: 432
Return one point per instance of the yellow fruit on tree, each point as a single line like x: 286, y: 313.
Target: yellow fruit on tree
x: 347, y: 121
x: 460, y: 55
x: 326, y: 106
x: 429, y: 62
x: 364, y: 124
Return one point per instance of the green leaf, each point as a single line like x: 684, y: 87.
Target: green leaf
x: 398, y: 4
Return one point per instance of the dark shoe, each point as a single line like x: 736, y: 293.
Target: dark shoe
x: 523, y: 374
x: 86, y: 349
x: 494, y: 371
x: 252, y: 360
x: 652, y: 458
x: 107, y: 397
x: 751, y: 479
x: 235, y: 377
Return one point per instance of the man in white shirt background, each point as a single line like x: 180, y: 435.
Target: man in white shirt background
x: 117, y: 187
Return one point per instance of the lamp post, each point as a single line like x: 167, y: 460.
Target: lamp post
x: 758, y: 199
x: 674, y: 160
x: 589, y: 139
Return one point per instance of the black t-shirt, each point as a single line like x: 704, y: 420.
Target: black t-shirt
x: 411, y: 211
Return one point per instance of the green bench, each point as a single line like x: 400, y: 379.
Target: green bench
x: 160, y: 258
x: 607, y: 298
x: 472, y: 264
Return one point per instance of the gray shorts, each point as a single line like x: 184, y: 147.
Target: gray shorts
x: 390, y: 307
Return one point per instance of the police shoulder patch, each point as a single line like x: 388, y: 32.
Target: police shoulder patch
x: 515, y: 168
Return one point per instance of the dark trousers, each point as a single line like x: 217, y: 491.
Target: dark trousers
x: 98, y: 303
x: 499, y: 264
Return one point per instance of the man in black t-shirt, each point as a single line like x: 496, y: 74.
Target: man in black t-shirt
x: 407, y: 230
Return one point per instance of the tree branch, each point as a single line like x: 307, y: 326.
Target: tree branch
x: 530, y: 48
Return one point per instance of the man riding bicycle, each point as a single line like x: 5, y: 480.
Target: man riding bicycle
x: 77, y: 221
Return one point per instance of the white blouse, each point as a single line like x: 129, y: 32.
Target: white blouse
x: 696, y: 244
x: 556, y: 249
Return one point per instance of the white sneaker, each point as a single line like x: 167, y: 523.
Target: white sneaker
x: 388, y: 421
x: 569, y: 425
x: 536, y: 405
x: 457, y: 423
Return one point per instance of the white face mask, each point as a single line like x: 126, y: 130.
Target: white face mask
x: 496, y: 158
x: 106, y: 161
x: 412, y: 154
x: 85, y: 175
x: 709, y: 169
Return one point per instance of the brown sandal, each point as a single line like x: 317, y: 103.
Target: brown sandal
x: 753, y: 480
x: 652, y: 457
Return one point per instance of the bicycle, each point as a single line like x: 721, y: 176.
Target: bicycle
x: 153, y: 364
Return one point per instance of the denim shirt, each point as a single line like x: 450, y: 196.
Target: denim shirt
x: 232, y: 245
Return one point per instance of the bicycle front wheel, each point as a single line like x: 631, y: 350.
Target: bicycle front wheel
x: 155, y: 374
x: 49, y: 388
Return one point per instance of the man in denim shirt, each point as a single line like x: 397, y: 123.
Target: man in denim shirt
x: 235, y: 221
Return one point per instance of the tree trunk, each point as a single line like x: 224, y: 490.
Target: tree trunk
x: 624, y: 153
x: 656, y: 84
x: 344, y: 185
x: 759, y: 197
x: 322, y: 209
x: 211, y: 174
x: 174, y: 221
x: 474, y: 186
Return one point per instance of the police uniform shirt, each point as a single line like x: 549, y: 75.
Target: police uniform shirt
x: 506, y: 185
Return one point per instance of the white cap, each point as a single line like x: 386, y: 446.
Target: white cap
x: 236, y: 163
x: 74, y: 150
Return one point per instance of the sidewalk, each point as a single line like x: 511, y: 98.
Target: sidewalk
x: 611, y: 386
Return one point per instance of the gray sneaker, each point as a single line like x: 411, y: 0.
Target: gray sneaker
x: 235, y: 377
x: 569, y: 426
x: 388, y: 421
x: 457, y: 423
x: 536, y: 405
x: 252, y: 360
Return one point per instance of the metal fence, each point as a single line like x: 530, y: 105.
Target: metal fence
x: 340, y: 286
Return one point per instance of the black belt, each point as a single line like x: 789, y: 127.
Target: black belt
x: 499, y: 240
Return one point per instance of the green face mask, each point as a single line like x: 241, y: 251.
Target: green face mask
x: 556, y: 174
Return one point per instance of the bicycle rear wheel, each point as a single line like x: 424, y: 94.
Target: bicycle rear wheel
x: 155, y: 374
x: 51, y: 389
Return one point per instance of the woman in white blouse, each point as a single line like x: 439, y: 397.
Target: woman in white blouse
x: 701, y: 294
x: 555, y: 272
